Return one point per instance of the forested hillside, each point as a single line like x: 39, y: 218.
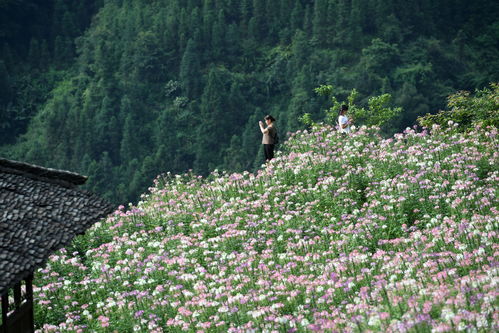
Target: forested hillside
x: 37, y: 47
x: 123, y: 90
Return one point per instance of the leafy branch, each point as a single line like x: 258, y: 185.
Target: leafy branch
x: 378, y: 112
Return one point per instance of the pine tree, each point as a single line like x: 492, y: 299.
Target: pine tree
x: 163, y: 159
x: 103, y: 178
x: 300, y: 100
x: 45, y: 57
x: 5, y: 84
x: 105, y: 135
x: 214, y: 128
x: 232, y: 10
x: 129, y: 147
x: 190, y: 71
x: 208, y: 21
x: 34, y: 53
x: 246, y: 14
x: 356, y: 21
x: 147, y: 59
x: 285, y: 9
x: 320, y: 22
x: 63, y: 50
x: 165, y: 138
x: 233, y: 43
x: 6, y: 116
x: 236, y: 105
x: 307, y: 21
x: 297, y: 16
x: 383, y: 9
x: 260, y: 26
x: 59, y: 10
x: 6, y: 56
x: 233, y: 156
x: 68, y: 27
x: 300, y: 47
x: 218, y: 36
x: 273, y: 19
x: 149, y: 171
x: 413, y: 101
x: 380, y: 57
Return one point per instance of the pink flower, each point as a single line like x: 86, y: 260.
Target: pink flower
x: 104, y: 321
x: 184, y: 311
x: 384, y: 315
x: 206, y: 324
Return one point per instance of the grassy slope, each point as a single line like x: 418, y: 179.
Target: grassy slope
x: 335, y: 234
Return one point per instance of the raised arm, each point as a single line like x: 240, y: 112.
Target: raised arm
x: 262, y: 129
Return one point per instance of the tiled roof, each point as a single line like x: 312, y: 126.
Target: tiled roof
x: 41, y: 210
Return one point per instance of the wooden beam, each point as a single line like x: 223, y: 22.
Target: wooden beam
x: 5, y: 310
x: 29, y: 287
x: 17, y: 295
x: 29, y: 300
x: 21, y: 320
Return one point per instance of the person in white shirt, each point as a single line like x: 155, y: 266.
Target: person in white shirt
x: 343, y: 121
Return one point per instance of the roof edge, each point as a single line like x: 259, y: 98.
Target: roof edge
x: 42, y: 173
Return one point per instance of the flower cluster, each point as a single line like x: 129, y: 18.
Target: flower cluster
x: 337, y: 233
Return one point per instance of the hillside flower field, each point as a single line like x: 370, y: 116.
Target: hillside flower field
x: 337, y: 234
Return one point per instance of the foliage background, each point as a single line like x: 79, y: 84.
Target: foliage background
x: 123, y: 90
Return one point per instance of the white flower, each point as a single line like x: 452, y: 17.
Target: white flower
x: 447, y: 314
x: 140, y: 282
x: 223, y: 309
x: 481, y: 321
x: 374, y: 321
x: 255, y: 314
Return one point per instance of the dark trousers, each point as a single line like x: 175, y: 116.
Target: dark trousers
x: 269, y: 152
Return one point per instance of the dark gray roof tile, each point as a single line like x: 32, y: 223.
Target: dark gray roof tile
x: 40, y: 211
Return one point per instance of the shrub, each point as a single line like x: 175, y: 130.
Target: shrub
x: 467, y: 110
x: 378, y: 113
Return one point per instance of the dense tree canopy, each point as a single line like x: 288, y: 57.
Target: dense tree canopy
x: 123, y: 90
